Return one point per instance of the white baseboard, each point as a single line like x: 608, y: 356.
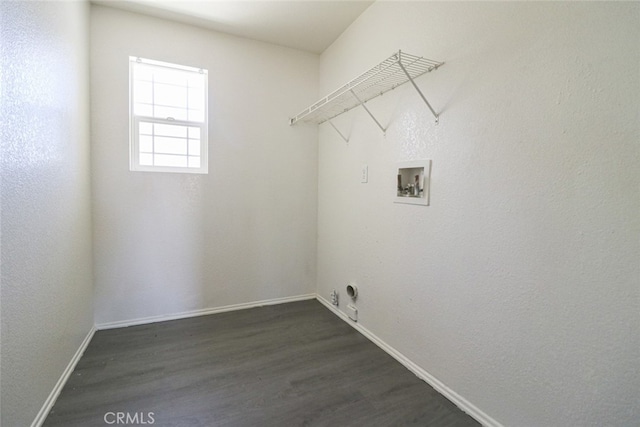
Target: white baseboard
x: 202, y: 312
x: 438, y: 385
x: 53, y: 396
x: 454, y: 397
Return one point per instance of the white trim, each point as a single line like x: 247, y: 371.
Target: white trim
x: 454, y: 397
x: 134, y: 164
x: 447, y: 392
x: 134, y: 119
x: 425, y: 182
x: 202, y: 312
x: 169, y: 65
x: 53, y: 396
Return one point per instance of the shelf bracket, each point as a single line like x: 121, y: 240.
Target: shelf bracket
x: 337, y: 130
x: 419, y: 91
x: 369, y: 112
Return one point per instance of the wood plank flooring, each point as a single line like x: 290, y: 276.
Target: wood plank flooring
x: 293, y: 364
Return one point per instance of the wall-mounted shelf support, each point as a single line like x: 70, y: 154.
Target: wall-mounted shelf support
x: 337, y: 130
x: 369, y: 112
x: 419, y: 92
x: 394, y: 71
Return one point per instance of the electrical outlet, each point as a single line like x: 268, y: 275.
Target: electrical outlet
x: 364, y: 174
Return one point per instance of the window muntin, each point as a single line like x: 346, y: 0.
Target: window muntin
x: 168, y: 117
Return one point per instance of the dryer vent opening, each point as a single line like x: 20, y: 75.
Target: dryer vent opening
x: 352, y: 290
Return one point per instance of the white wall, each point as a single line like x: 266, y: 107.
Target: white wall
x: 518, y: 287
x: 47, y: 291
x: 169, y: 243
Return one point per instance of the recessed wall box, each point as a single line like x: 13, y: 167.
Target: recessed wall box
x: 413, y: 181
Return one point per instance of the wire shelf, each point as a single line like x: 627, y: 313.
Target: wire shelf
x: 394, y: 71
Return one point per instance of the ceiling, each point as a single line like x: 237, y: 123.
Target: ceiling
x: 300, y: 24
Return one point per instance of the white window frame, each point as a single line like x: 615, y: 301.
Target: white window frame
x: 134, y: 123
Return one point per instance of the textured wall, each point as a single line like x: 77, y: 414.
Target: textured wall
x: 167, y: 243
x: 519, y: 286
x: 46, y: 247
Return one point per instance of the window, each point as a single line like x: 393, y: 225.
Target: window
x: 168, y: 117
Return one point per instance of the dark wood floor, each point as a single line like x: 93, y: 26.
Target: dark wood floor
x: 285, y: 365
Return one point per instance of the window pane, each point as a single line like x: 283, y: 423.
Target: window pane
x: 196, y: 115
x: 146, y: 159
x: 194, y: 162
x: 143, y: 110
x: 166, y: 112
x: 196, y: 98
x: 169, y: 160
x: 146, y: 144
x: 194, y: 133
x: 171, y: 95
x: 194, y: 147
x: 146, y: 128
x: 170, y: 145
x: 196, y: 81
x: 166, y: 75
x: 142, y: 93
x: 143, y: 72
x: 170, y: 130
